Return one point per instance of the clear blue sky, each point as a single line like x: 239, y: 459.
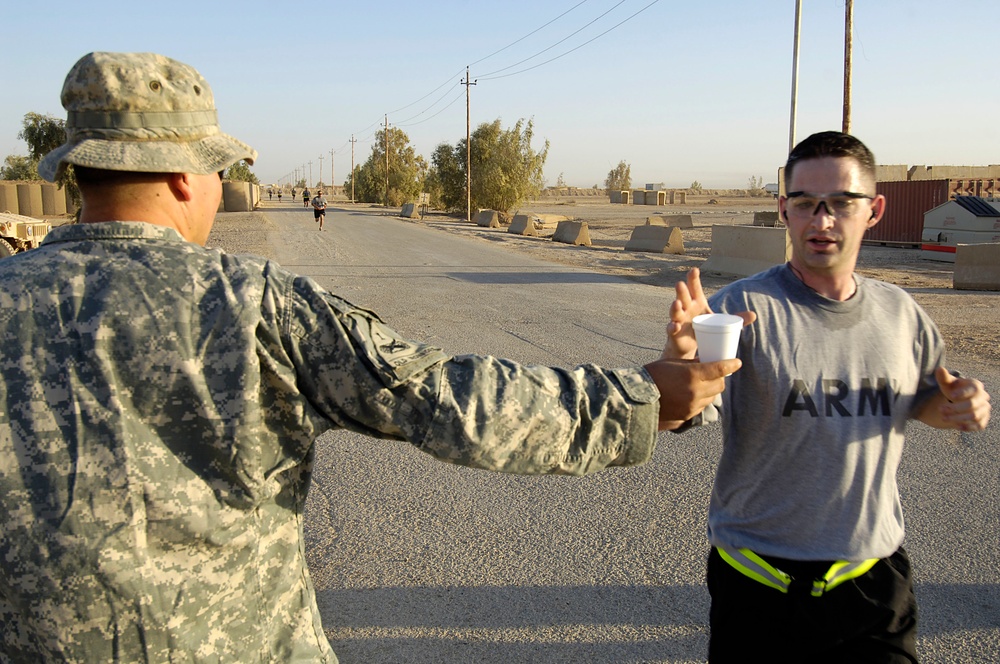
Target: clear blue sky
x: 683, y: 91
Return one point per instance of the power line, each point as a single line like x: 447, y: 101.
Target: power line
x: 530, y: 33
x: 443, y: 109
x: 428, y: 108
x: 487, y: 77
x: 374, y: 124
x: 450, y: 78
x: 587, y: 25
x: 494, y: 74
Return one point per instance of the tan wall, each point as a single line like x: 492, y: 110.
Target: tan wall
x: 237, y: 196
x: 953, y: 172
x: 8, y: 198
x: 53, y: 200
x: 29, y: 199
x: 891, y: 173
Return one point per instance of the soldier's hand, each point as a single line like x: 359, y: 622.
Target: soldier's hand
x: 688, y: 386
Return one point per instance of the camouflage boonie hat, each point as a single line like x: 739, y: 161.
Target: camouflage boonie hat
x: 141, y: 112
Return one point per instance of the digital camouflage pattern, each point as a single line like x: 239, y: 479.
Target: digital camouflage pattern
x: 141, y: 112
x: 160, y: 403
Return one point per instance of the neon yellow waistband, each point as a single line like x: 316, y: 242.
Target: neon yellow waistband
x: 752, y: 566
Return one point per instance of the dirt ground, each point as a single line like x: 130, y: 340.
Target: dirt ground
x: 969, y: 320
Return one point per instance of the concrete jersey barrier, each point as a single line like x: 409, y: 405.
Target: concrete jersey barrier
x: 656, y: 239
x: 488, y: 219
x: 410, y: 211
x: 522, y: 225
x: 746, y: 250
x: 572, y: 232
x: 977, y: 267
x: 676, y: 220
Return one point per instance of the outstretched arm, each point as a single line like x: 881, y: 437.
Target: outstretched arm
x: 961, y: 403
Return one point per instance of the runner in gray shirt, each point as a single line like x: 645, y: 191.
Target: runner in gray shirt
x: 805, y: 518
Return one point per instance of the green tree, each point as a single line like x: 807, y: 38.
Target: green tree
x: 695, y: 187
x: 446, y: 180
x: 240, y: 172
x: 619, y: 178
x: 19, y: 167
x: 755, y: 186
x: 506, y: 170
x: 44, y: 133
x: 407, y: 171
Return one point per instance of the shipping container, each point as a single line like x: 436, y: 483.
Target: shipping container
x: 906, y: 203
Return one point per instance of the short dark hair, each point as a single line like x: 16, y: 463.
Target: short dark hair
x: 830, y: 144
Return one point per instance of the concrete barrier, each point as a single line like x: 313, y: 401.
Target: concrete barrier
x: 977, y: 267
x: 488, y: 219
x: 656, y: 239
x: 638, y: 197
x: 678, y: 197
x: 523, y: 225
x: 8, y: 198
x: 53, y: 200
x: 674, y: 220
x: 550, y: 219
x: 746, y: 250
x: 767, y: 218
x: 236, y: 196
x: 29, y: 199
x: 572, y: 232
x: 615, y: 197
x: 410, y: 211
x: 656, y: 198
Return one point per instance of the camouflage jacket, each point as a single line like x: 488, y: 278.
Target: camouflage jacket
x: 160, y: 403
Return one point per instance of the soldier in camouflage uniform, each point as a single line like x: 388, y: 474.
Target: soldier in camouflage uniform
x: 161, y: 400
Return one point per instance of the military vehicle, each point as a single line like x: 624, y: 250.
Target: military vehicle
x: 19, y: 233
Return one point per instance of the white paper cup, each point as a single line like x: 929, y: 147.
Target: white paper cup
x: 718, y: 336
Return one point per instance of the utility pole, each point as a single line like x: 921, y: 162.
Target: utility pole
x: 333, y: 178
x: 385, y: 136
x: 848, y: 48
x: 321, y: 168
x: 468, y: 149
x: 310, y: 174
x: 353, y: 141
x: 795, y: 75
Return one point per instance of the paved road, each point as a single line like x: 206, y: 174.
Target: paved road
x: 418, y: 561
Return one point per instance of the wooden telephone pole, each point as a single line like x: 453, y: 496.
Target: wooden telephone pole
x: 848, y: 48
x: 795, y: 75
x: 468, y: 149
x: 353, y: 141
x: 386, y: 137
